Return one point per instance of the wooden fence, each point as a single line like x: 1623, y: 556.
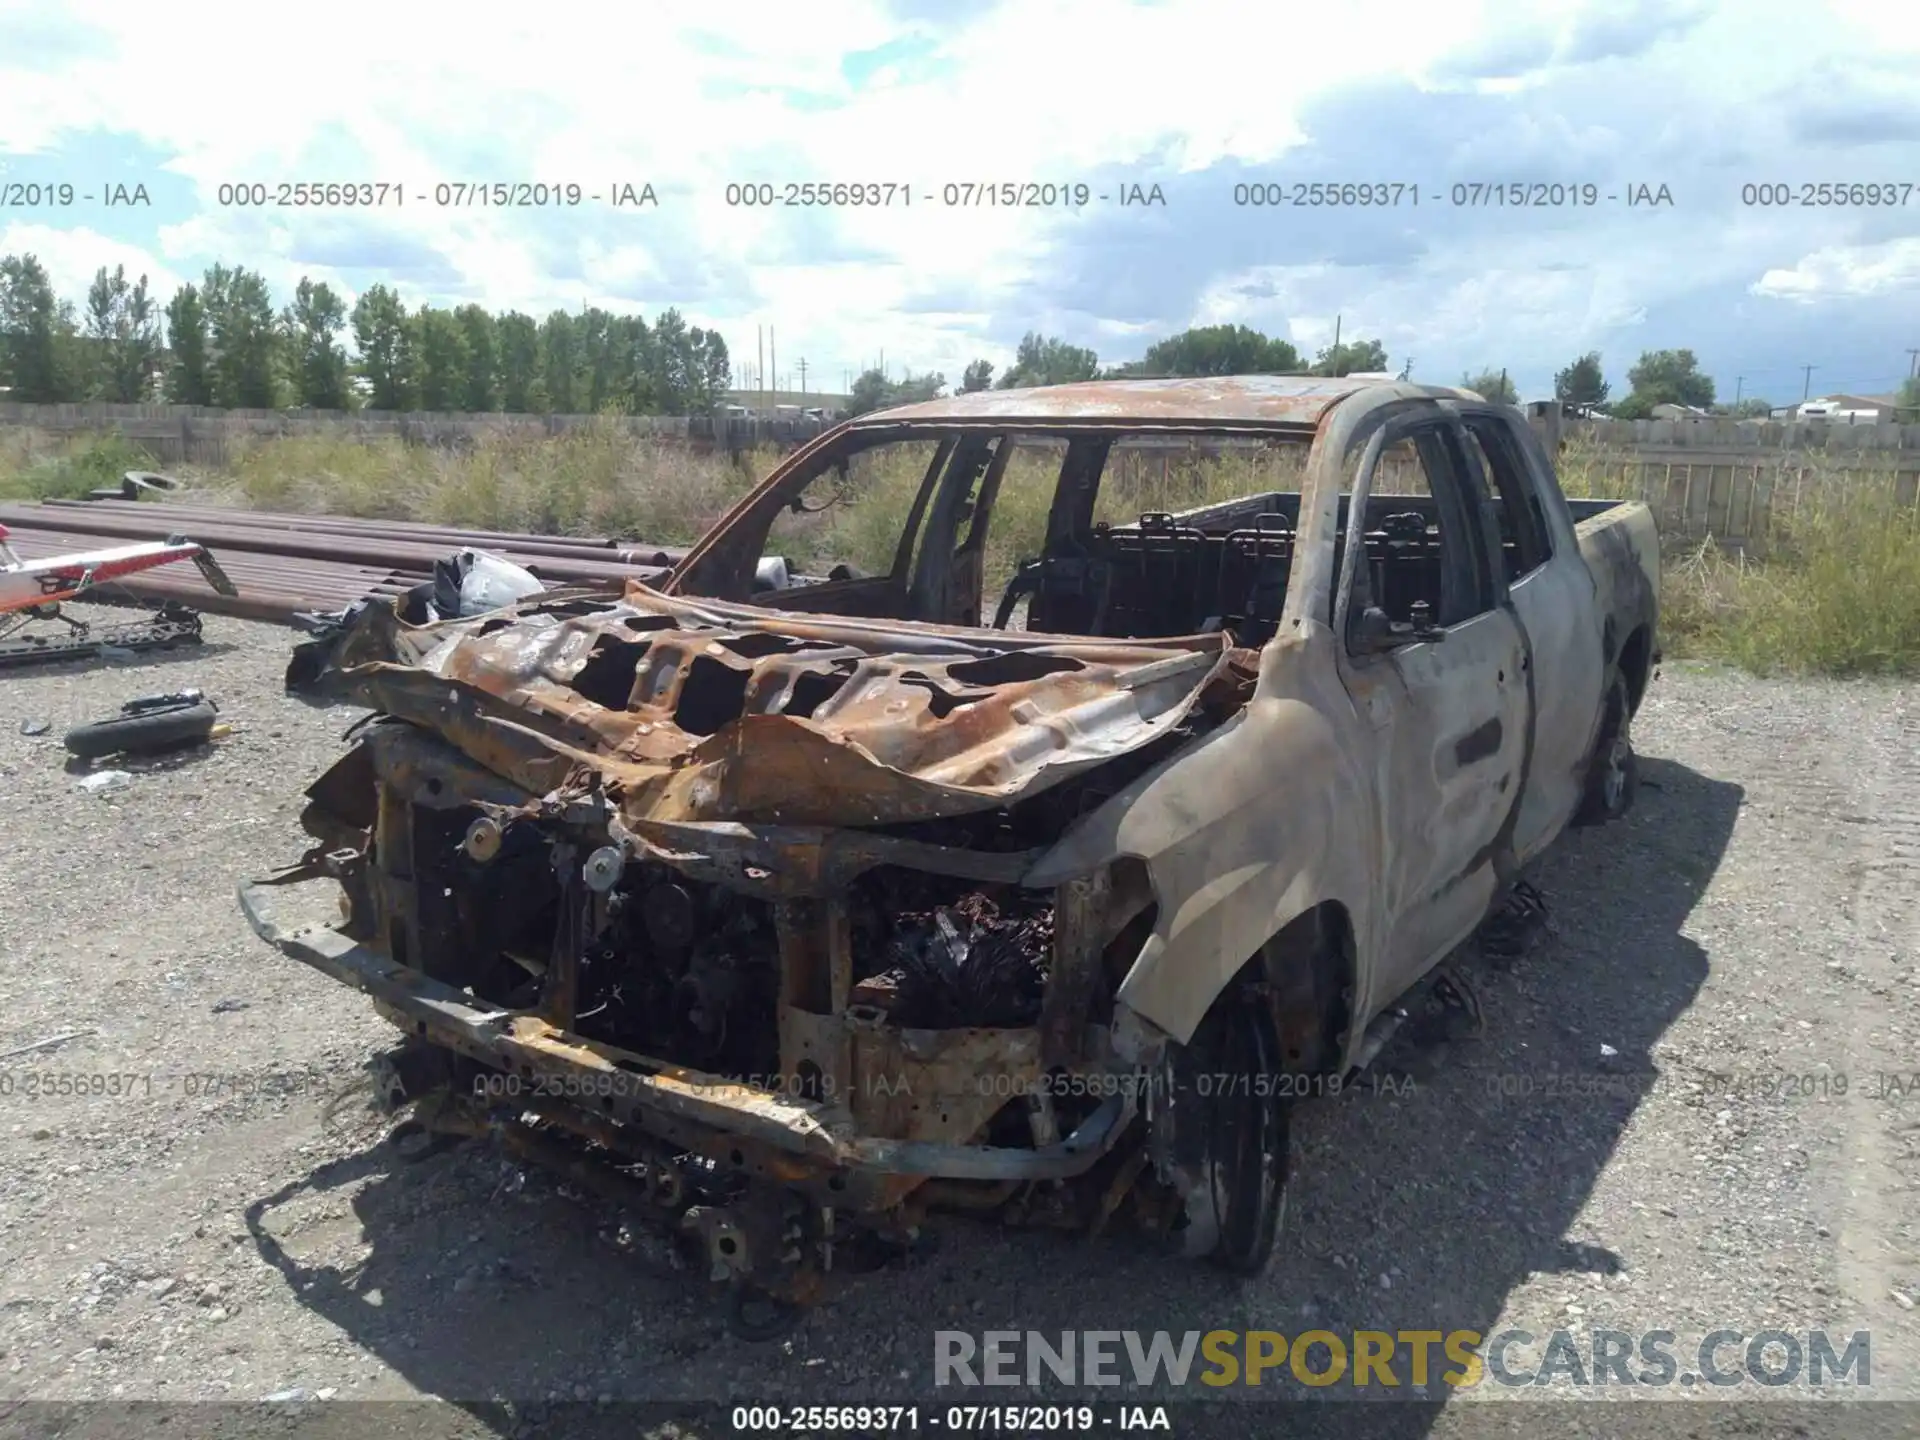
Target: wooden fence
x: 1734, y: 482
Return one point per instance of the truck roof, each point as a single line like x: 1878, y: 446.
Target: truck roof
x: 1233, y: 400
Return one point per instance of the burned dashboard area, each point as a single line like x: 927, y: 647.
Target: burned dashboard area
x: 752, y: 882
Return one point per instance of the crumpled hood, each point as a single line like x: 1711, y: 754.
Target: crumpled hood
x: 694, y: 710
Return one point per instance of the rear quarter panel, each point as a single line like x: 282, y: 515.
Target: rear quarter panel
x: 1621, y: 546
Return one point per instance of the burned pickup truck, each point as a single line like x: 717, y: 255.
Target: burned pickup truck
x: 805, y: 898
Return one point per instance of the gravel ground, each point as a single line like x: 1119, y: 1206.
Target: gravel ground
x: 231, y: 1224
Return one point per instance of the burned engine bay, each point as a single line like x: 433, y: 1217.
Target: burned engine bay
x: 726, y: 905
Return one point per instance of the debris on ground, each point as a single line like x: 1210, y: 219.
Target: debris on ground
x: 468, y: 582
x: 52, y: 1042
x: 101, y: 781
x: 172, y: 624
x: 149, y: 725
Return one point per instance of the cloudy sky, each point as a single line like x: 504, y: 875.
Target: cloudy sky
x: 1196, y: 96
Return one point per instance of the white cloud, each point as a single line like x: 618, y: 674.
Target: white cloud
x: 1846, y: 270
x: 72, y: 256
x: 1056, y: 90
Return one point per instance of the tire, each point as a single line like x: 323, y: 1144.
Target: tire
x: 1613, y: 773
x: 143, y: 734
x: 1229, y: 1136
x: 1254, y: 1142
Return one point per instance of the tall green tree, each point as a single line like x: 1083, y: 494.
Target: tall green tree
x: 1669, y: 377
x: 612, y: 354
x: 384, y: 338
x: 123, y: 326
x: 312, y: 326
x: 1493, y: 384
x: 245, y: 339
x: 517, y: 339
x: 1219, y: 350
x: 1582, y: 382
x: 977, y: 376
x: 873, y: 391
x: 560, y: 363
x: 710, y: 371
x: 1906, y: 402
x: 1351, y: 356
x: 1047, y: 360
x: 38, y: 357
x: 671, y: 369
x: 189, y: 376
x: 481, y: 391
x: 441, y: 349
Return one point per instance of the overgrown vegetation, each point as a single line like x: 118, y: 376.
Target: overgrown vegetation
x: 33, y: 467
x: 1838, y: 592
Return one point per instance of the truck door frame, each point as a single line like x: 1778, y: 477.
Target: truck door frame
x: 1557, y: 602
x: 1451, y: 715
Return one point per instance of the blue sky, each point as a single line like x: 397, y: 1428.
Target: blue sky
x: 1195, y: 96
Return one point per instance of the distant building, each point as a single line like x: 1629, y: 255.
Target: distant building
x: 1847, y: 409
x: 1680, y: 412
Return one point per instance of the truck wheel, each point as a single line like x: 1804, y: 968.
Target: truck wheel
x: 143, y: 733
x: 1229, y: 1136
x: 1613, y: 775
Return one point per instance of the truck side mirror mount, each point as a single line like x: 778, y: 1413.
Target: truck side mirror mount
x: 1376, y: 632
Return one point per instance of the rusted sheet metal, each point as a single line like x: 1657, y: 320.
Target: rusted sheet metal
x: 777, y: 861
x: 706, y: 711
x: 1258, y: 400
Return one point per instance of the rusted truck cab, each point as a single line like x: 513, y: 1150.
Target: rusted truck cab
x: 808, y: 895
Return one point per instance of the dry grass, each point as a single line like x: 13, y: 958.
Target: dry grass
x: 594, y: 480
x: 38, y: 466
x: 1839, y: 591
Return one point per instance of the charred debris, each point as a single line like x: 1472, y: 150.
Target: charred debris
x: 679, y: 967
x: 769, y: 868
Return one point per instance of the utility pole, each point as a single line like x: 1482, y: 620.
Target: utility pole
x: 1739, y: 382
x: 1913, y: 363
x: 1335, y: 367
x: 1503, y: 384
x: 1806, y: 385
x: 803, y: 379
x: 774, y: 357
x: 760, y: 368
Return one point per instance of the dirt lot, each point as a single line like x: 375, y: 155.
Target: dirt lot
x: 1616, y: 1151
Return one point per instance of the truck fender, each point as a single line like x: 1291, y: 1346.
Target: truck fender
x: 1258, y: 823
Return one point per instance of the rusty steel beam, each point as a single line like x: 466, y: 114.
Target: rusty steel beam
x: 587, y: 547
x: 269, y: 587
x: 227, y: 538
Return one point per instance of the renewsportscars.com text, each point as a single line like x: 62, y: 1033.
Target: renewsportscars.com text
x: 1462, y: 1359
